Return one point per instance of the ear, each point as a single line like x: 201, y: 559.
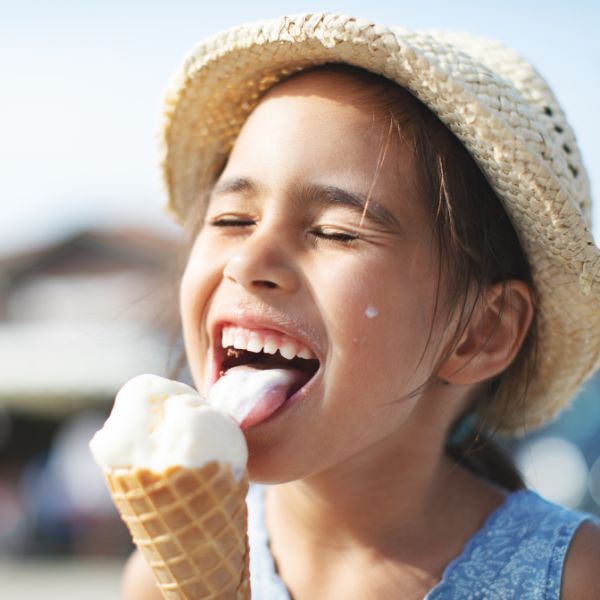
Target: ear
x: 493, y: 335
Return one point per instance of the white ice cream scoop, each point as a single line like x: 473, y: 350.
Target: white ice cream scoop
x: 157, y: 423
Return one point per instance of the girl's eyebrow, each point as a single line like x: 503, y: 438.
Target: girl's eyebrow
x: 319, y: 194
x: 363, y: 204
x: 236, y: 184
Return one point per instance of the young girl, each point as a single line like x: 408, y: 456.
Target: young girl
x: 400, y: 220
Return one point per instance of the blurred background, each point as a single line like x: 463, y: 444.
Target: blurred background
x: 89, y: 264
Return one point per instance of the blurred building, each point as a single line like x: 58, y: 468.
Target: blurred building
x: 77, y: 320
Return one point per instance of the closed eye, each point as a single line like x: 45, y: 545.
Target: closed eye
x: 230, y: 222
x: 335, y: 236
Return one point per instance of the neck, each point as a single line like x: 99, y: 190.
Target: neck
x: 356, y: 503
x: 388, y: 519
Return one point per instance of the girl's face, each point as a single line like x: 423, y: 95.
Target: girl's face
x: 306, y: 235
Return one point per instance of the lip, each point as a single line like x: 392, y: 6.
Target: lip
x: 277, y: 323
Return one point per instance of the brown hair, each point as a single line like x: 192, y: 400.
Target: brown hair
x: 476, y: 245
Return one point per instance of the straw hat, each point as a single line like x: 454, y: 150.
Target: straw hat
x: 493, y: 101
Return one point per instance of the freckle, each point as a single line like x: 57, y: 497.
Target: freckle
x: 371, y: 312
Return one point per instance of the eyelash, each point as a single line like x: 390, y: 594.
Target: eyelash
x: 230, y: 223
x: 337, y: 236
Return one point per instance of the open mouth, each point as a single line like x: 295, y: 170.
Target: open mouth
x: 258, y: 371
x: 235, y: 357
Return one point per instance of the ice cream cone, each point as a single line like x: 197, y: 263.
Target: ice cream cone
x: 190, y: 525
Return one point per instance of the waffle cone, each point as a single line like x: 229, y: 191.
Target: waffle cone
x: 190, y: 525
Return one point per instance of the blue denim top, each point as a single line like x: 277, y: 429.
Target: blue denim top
x: 518, y: 553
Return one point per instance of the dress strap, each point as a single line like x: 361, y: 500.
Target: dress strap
x: 518, y: 553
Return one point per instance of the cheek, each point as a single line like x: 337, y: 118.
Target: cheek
x: 190, y: 295
x: 198, y: 280
x: 189, y: 301
x: 196, y: 288
x: 380, y: 310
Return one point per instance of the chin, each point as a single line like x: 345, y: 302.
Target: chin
x: 273, y: 468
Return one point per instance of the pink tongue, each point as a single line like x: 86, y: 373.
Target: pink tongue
x: 251, y: 393
x: 266, y: 404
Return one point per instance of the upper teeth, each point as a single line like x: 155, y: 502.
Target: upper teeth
x: 257, y: 341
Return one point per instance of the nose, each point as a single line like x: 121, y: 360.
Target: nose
x: 261, y: 263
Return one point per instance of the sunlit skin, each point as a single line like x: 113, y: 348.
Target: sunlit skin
x: 367, y: 505
x: 273, y: 229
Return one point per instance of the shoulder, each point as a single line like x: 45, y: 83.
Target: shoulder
x: 523, y: 547
x: 581, y: 575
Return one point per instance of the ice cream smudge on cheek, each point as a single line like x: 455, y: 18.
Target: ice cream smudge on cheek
x: 371, y: 312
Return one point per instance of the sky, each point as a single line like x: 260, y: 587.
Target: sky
x: 82, y: 84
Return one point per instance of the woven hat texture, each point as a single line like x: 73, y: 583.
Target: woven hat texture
x: 489, y: 97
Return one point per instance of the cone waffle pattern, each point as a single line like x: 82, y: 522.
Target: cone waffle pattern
x: 190, y: 525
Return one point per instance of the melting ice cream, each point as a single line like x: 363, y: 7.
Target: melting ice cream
x: 157, y: 423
